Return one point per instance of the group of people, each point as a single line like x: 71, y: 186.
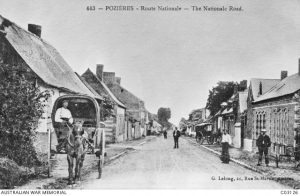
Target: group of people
x: 263, y: 143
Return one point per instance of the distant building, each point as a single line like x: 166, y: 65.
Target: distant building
x: 199, y: 114
x: 231, y: 115
x: 196, y: 117
x: 116, y: 125
x: 136, y: 112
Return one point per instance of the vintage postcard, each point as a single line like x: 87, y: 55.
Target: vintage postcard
x: 149, y: 94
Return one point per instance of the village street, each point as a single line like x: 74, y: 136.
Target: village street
x: 156, y: 165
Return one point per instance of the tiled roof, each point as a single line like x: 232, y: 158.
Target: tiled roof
x: 89, y: 87
x: 104, y: 88
x: 267, y: 84
x: 286, y: 86
x: 227, y: 111
x: 131, y: 101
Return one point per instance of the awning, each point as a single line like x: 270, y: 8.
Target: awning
x: 202, y: 124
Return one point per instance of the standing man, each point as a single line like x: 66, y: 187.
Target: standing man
x: 176, y: 135
x: 263, y: 143
x: 297, y: 148
x: 226, y: 141
x: 165, y: 134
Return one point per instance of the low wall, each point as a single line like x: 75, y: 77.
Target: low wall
x: 237, y: 136
x: 248, y: 145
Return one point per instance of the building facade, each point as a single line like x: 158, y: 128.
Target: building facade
x: 257, y: 88
x: 136, y: 112
x: 116, y: 129
x: 277, y: 111
x: 43, y: 64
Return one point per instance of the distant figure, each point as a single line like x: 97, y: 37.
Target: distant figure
x: 176, y: 135
x: 165, y: 134
x: 198, y: 135
x: 226, y: 141
x: 263, y: 143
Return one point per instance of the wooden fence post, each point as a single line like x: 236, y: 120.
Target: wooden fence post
x: 49, y: 150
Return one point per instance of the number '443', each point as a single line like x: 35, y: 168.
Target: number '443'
x: 91, y: 8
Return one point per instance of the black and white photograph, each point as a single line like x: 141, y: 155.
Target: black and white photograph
x: 149, y: 95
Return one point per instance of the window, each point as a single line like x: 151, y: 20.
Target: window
x: 260, y: 122
x: 264, y: 121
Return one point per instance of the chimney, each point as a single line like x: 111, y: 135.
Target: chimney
x: 235, y: 89
x: 283, y: 75
x: 243, y: 85
x: 109, y: 78
x: 118, y: 80
x: 99, y: 71
x: 260, y: 89
x: 35, y: 29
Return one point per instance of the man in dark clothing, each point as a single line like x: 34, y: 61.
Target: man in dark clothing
x: 263, y: 143
x: 165, y: 134
x: 297, y: 149
x: 176, y: 135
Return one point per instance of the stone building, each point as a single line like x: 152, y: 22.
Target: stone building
x: 277, y: 111
x: 257, y: 87
x: 136, y: 112
x: 116, y: 125
x: 153, y: 127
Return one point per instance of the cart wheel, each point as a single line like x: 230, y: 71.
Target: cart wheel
x: 210, y: 140
x: 202, y: 140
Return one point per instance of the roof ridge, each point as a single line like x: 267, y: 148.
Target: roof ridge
x: 284, y: 87
x: 263, y: 79
x: 129, y: 92
x: 52, y: 68
x: 26, y: 31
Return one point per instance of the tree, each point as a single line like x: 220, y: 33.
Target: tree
x: 21, y: 106
x: 219, y: 94
x: 107, y: 109
x: 164, y: 114
x: 182, y: 123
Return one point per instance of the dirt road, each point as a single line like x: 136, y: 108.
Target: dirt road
x: 156, y: 165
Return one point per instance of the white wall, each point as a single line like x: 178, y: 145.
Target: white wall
x: 45, y: 122
x: 248, y: 145
x: 120, y: 110
x: 237, y: 135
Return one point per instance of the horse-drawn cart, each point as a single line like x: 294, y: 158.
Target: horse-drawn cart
x: 204, y: 133
x: 85, y: 112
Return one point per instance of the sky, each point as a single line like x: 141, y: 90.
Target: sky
x: 169, y: 59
